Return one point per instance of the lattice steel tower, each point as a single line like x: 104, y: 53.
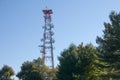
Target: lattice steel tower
x: 47, y: 40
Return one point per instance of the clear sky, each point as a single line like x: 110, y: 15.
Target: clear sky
x: 75, y: 21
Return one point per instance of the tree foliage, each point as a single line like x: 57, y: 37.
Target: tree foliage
x: 67, y: 60
x: 35, y: 70
x: 109, y: 47
x: 31, y: 70
x: 6, y: 73
x: 78, y: 63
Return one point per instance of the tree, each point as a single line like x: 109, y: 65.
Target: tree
x: 35, y: 70
x: 88, y: 63
x: 6, y: 73
x: 67, y: 60
x: 78, y: 63
x: 109, y: 47
x: 31, y: 70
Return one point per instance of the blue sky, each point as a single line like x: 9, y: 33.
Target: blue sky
x: 75, y: 21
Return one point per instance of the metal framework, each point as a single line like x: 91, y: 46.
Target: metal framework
x: 47, y: 40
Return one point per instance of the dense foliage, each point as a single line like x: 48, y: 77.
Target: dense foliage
x: 30, y: 71
x: 35, y: 70
x: 109, y: 47
x: 6, y: 73
x: 78, y: 63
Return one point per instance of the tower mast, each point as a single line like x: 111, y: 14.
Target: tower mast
x: 47, y: 40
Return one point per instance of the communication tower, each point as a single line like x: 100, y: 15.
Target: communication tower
x: 47, y: 40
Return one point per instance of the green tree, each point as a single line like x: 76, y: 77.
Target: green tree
x: 35, y: 70
x: 109, y: 47
x: 6, y: 73
x: 68, y: 60
x: 31, y: 70
x: 78, y: 63
x: 88, y: 63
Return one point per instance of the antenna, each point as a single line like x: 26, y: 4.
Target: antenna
x: 47, y: 40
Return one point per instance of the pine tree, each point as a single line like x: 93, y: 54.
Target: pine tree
x: 78, y: 63
x: 109, y: 47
